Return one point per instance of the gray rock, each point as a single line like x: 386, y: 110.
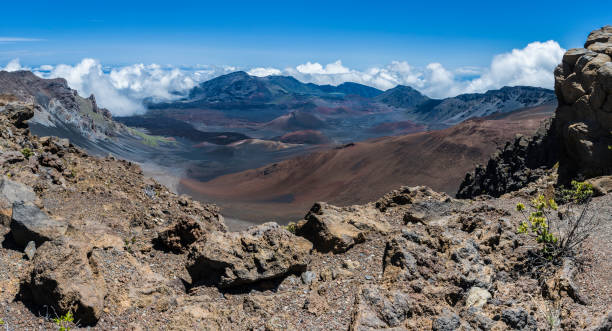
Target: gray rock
x: 378, y: 308
x: 518, y: 318
x: 29, y: 223
x: 449, y: 321
x: 30, y: 250
x: 308, y: 277
x: 15, y: 192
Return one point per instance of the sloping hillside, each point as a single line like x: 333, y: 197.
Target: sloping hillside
x: 362, y: 171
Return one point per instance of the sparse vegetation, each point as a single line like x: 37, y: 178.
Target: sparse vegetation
x: 27, y: 152
x: 291, y: 227
x: 64, y: 322
x: 149, y: 140
x: 560, y: 235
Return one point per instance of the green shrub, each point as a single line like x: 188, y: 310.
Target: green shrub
x: 291, y: 227
x: 559, y: 234
x: 578, y: 193
x: 63, y: 322
x: 27, y: 152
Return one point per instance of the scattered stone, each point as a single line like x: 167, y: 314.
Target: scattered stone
x: 29, y: 223
x: 477, y: 297
x: 263, y: 252
x: 518, y: 318
x: 377, y: 308
x: 350, y: 264
x: 449, y: 321
x: 606, y: 323
x: 30, y: 250
x: 308, y: 277
x: 10, y: 157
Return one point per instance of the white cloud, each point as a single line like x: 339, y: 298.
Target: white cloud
x: 14, y: 65
x: 16, y: 39
x: 532, y: 65
x: 262, y: 72
x: 122, y: 89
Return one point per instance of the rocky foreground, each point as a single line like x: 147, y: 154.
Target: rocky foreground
x: 95, y: 238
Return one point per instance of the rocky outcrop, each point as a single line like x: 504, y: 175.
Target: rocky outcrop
x: 583, y: 83
x: 578, y: 138
x: 264, y: 252
x: 335, y: 229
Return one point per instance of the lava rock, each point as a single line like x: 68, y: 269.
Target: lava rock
x: 64, y: 278
x: 335, y: 229
x: 264, y: 252
x: 29, y: 223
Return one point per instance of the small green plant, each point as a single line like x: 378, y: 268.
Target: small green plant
x: 559, y: 234
x: 27, y: 152
x: 1, y: 321
x: 64, y: 321
x: 291, y: 227
x: 579, y: 193
x: 538, y: 221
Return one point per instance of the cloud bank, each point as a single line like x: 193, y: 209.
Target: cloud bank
x: 123, y: 89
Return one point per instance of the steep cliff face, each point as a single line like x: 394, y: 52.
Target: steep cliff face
x: 578, y: 137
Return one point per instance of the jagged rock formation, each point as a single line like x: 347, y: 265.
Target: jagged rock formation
x: 518, y: 163
x: 578, y: 138
x: 583, y: 83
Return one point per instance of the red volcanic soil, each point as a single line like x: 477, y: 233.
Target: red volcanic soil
x: 312, y: 137
x: 364, y: 171
x: 404, y: 127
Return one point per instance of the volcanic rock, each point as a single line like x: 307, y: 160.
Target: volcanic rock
x: 335, y: 229
x: 29, y: 223
x: 65, y: 278
x: 264, y: 252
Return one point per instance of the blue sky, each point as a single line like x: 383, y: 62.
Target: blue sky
x: 285, y: 33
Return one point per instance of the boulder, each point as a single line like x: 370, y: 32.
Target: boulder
x: 29, y: 223
x: 336, y: 229
x: 263, y: 252
x: 378, y: 308
x: 64, y: 278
